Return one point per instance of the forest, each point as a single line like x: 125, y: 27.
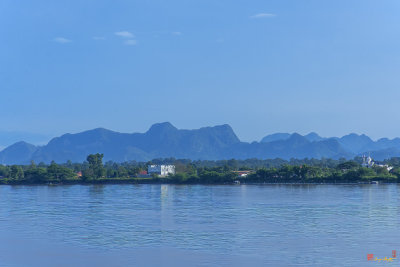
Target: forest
x: 93, y: 170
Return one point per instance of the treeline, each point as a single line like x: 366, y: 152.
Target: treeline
x: 202, y: 171
x: 344, y: 172
x: 347, y: 172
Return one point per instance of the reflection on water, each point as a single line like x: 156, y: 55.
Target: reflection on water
x: 258, y: 225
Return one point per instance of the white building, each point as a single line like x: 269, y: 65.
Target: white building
x: 161, y: 170
x: 369, y: 163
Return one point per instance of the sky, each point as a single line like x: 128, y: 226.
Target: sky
x: 261, y: 66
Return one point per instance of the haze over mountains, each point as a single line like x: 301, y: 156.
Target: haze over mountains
x: 219, y: 142
x: 10, y: 137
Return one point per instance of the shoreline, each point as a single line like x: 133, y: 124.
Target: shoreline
x: 161, y: 182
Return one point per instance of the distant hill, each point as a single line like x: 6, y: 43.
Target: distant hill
x: 219, y: 142
x: 356, y: 143
x: 275, y: 137
x: 8, y: 138
x: 312, y: 137
x: 161, y: 140
x: 17, y: 153
x: 296, y: 146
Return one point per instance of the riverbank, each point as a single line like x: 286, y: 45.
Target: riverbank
x: 176, y: 182
x: 203, y: 172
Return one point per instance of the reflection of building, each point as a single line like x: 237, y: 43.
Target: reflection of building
x: 369, y: 163
x: 164, y: 193
x: 161, y: 170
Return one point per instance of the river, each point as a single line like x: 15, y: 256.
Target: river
x: 198, y: 225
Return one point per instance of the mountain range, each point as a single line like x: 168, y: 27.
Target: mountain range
x: 164, y: 140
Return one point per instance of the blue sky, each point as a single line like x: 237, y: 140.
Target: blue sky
x: 261, y: 66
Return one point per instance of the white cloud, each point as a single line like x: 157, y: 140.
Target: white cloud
x: 125, y: 34
x: 263, y: 15
x: 98, y: 38
x: 176, y: 33
x: 130, y: 42
x: 61, y: 40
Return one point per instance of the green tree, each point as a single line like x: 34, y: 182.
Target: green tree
x: 36, y: 175
x: 69, y: 164
x: 96, y: 169
x: 122, y: 172
x: 4, y: 171
x: 348, y: 165
x: 33, y: 165
x: 58, y: 172
x: 16, y: 172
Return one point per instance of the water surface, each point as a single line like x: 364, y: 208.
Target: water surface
x: 198, y: 225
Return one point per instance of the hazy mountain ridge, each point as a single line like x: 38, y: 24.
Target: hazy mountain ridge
x: 354, y: 144
x: 8, y: 138
x: 20, y: 152
x: 218, y: 142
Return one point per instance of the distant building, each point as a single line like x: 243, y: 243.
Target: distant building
x: 161, y: 170
x: 242, y: 173
x: 143, y: 174
x: 369, y: 163
x: 79, y: 174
